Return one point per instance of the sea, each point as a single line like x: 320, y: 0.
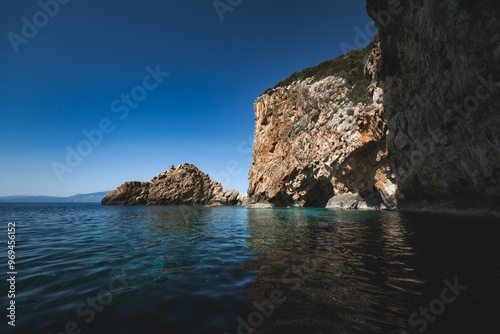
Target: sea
x: 85, y: 268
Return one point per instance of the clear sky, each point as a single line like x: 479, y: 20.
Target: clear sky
x: 86, y: 102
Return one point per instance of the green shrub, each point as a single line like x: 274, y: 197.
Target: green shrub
x: 267, y: 91
x: 349, y: 66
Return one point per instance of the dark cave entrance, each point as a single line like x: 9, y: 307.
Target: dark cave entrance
x: 319, y: 194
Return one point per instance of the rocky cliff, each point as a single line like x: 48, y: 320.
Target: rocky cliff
x: 185, y: 184
x: 317, y: 143
x: 441, y: 78
x: 427, y: 136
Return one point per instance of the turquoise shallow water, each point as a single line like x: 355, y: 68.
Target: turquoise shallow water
x: 86, y: 268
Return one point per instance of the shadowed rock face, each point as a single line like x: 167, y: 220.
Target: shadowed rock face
x: 428, y: 139
x: 441, y: 78
x: 185, y: 184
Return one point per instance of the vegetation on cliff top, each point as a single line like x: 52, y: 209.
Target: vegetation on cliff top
x: 349, y: 66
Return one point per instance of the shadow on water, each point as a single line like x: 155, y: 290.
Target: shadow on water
x: 325, y: 271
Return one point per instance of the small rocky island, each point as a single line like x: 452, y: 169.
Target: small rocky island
x: 185, y: 184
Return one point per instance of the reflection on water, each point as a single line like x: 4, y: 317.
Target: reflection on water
x: 128, y: 269
x: 191, y: 269
x: 354, y: 271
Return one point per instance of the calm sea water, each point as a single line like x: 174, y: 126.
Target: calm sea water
x: 85, y: 268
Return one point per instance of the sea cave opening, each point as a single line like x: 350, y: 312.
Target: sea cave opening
x: 319, y: 194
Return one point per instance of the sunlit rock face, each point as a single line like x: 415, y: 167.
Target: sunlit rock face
x: 312, y: 143
x: 185, y: 184
x: 441, y: 77
x: 429, y: 138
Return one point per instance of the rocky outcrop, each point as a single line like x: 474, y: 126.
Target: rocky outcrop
x: 185, y: 184
x: 441, y: 78
x: 428, y: 137
x: 313, y: 143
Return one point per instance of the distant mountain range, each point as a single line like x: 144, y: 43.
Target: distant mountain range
x: 80, y: 198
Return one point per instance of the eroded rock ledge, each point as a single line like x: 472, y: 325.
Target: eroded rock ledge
x: 185, y: 184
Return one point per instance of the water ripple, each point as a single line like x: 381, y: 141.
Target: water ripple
x: 198, y: 270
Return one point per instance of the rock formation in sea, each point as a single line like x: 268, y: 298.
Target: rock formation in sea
x: 411, y: 121
x: 185, y: 184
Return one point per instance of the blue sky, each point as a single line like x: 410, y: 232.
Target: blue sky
x: 62, y: 73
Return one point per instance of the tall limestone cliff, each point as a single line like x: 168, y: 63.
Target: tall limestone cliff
x: 441, y: 77
x: 426, y: 135
x: 320, y: 138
